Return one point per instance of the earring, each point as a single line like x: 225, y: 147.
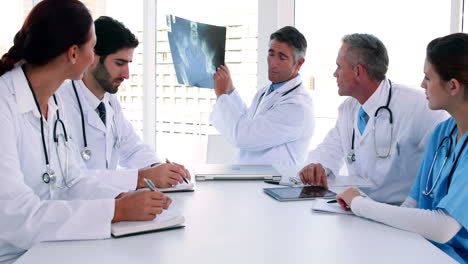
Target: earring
x: 73, y: 61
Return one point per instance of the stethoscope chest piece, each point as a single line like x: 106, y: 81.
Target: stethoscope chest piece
x: 430, y: 194
x: 351, y: 156
x: 86, y: 154
x: 49, y: 176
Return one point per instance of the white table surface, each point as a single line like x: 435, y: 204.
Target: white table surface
x: 236, y: 222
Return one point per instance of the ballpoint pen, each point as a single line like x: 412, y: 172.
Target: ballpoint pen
x: 332, y: 201
x: 169, y: 162
x: 150, y: 185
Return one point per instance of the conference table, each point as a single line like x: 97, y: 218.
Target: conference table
x: 236, y: 222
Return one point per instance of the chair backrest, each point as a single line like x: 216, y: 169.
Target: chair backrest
x: 219, y: 150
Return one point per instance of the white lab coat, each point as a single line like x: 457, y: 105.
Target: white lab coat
x: 413, y: 122
x: 32, y: 211
x: 112, y: 145
x: 275, y: 130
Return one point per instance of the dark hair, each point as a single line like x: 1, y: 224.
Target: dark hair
x: 449, y: 57
x: 112, y: 36
x: 370, y: 52
x: 292, y: 37
x: 50, y: 29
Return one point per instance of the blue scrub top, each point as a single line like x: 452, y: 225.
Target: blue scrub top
x: 455, y: 202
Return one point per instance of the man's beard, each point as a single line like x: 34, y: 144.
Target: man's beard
x: 103, y: 78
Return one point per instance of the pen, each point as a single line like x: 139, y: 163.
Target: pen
x: 332, y: 201
x: 169, y: 162
x: 150, y: 185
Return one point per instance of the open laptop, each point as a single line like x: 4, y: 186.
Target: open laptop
x: 236, y: 172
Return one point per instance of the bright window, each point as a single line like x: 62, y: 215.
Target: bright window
x: 182, y: 112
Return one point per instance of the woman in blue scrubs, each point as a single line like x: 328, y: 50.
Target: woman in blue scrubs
x: 437, y: 206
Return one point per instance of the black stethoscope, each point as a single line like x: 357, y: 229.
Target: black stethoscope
x: 352, y: 155
x: 430, y: 191
x: 49, y: 176
x: 86, y: 153
x: 284, y: 94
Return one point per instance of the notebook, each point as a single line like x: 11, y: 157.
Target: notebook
x: 164, y: 221
x: 181, y: 187
x: 236, y: 172
x: 321, y: 206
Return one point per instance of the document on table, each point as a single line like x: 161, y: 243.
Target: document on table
x: 164, y: 221
x: 181, y: 187
x: 321, y: 206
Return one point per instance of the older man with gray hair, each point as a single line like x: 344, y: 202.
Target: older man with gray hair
x: 277, y: 127
x: 382, y: 128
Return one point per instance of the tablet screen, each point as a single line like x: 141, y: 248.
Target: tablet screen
x: 299, y: 193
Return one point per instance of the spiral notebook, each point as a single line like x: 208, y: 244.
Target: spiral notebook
x: 164, y: 221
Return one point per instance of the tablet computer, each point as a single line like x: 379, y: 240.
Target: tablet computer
x: 299, y: 193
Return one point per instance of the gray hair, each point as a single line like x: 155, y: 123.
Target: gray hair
x: 370, y: 52
x: 292, y: 37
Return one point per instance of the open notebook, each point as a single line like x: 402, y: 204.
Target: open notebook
x: 181, y: 187
x: 164, y: 221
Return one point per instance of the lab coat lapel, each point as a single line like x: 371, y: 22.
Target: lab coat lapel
x: 258, y: 101
x: 268, y: 101
x: 93, y: 120
x: 382, y: 95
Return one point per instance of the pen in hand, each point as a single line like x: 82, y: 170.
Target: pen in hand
x: 151, y: 185
x: 332, y: 201
x: 169, y: 162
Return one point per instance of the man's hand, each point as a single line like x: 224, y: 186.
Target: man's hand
x: 314, y: 174
x: 222, y: 81
x: 164, y: 175
x: 140, y: 206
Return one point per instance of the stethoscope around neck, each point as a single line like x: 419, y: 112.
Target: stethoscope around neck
x: 352, y: 155
x: 86, y: 153
x: 430, y: 191
x: 49, y: 176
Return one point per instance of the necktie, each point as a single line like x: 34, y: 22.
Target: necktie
x: 269, y: 90
x: 101, y: 109
x: 362, y: 120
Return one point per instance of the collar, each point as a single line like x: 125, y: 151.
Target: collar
x: 378, y: 98
x: 89, y: 97
x: 284, y: 86
x: 24, y: 97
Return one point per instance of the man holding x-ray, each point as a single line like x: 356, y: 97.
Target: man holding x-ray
x: 277, y: 127
x: 382, y: 129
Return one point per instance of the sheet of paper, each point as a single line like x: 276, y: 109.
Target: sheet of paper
x: 179, y: 187
x: 321, y: 206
